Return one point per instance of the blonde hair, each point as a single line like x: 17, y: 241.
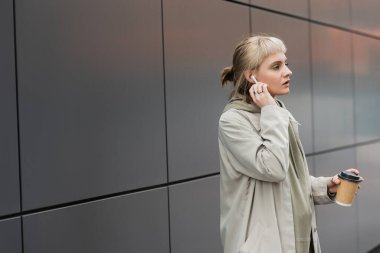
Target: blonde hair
x: 248, y: 55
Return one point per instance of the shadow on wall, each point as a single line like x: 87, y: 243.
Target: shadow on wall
x: 375, y: 250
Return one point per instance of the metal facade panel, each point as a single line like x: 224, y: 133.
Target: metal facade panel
x: 365, y: 16
x: 337, y: 225
x: 367, y: 87
x: 295, y: 7
x: 133, y: 223
x: 335, y: 12
x: 10, y: 236
x: 194, y: 216
x: 92, y: 117
x: 333, y: 88
x: 368, y: 198
x: 200, y: 37
x: 9, y: 170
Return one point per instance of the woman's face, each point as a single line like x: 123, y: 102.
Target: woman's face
x: 274, y: 71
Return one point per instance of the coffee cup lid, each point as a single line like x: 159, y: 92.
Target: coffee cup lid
x: 349, y: 176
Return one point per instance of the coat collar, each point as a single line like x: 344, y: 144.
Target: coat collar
x: 237, y: 102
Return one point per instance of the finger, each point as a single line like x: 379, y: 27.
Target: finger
x: 254, y: 87
x: 356, y: 171
x: 336, y: 180
x: 259, y: 88
x: 251, y: 92
x: 265, y: 88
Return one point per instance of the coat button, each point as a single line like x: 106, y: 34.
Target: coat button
x: 315, y: 230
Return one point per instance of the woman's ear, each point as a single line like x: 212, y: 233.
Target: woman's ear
x: 248, y: 76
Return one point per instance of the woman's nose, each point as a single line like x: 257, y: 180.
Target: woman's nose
x: 288, y: 72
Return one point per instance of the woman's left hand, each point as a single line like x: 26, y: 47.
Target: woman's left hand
x: 332, y: 185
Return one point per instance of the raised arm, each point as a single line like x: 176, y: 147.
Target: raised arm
x: 264, y: 154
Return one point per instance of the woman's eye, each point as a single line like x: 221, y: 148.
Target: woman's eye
x: 286, y: 64
x: 276, y: 67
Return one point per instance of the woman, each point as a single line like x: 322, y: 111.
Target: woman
x: 267, y: 194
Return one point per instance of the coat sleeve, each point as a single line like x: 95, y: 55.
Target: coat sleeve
x: 263, y: 156
x: 319, y: 190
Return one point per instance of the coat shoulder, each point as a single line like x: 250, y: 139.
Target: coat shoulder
x: 240, y: 117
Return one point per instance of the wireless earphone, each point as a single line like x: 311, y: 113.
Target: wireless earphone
x: 253, y: 78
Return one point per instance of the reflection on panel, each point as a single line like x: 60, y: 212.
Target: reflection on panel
x: 194, y: 217
x: 10, y: 236
x: 332, y: 88
x: 91, y: 98
x: 322, y: 10
x: 367, y: 87
x: 296, y: 7
x: 369, y: 198
x: 197, y: 47
x: 365, y: 16
x: 295, y: 34
x: 9, y: 177
x: 134, y: 223
x: 337, y: 225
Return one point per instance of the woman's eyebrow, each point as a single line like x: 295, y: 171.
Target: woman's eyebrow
x: 278, y: 62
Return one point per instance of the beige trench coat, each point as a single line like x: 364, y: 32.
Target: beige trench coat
x: 256, y: 207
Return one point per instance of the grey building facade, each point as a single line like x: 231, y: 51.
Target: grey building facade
x: 109, y: 115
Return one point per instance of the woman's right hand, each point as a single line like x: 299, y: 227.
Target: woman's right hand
x: 260, y: 95
x: 332, y: 185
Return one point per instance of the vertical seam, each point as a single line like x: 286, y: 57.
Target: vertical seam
x: 18, y: 123
x: 166, y: 124
x: 354, y: 117
x: 311, y: 87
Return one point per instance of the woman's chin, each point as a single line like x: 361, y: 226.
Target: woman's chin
x: 286, y: 91
x: 282, y: 92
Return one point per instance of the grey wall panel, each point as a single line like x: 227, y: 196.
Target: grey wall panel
x: 295, y: 34
x: 9, y: 177
x: 296, y: 7
x: 91, y: 98
x: 10, y: 236
x: 336, y: 12
x: 365, y: 16
x: 197, y: 47
x: 332, y: 88
x: 194, y: 216
x: 337, y: 225
x: 369, y: 199
x: 134, y: 223
x: 311, y: 165
x: 367, y: 87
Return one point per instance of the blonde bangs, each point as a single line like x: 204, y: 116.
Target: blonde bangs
x: 261, y: 47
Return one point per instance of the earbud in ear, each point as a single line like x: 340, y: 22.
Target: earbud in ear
x: 253, y: 78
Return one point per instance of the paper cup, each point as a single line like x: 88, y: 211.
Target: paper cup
x: 347, y: 188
